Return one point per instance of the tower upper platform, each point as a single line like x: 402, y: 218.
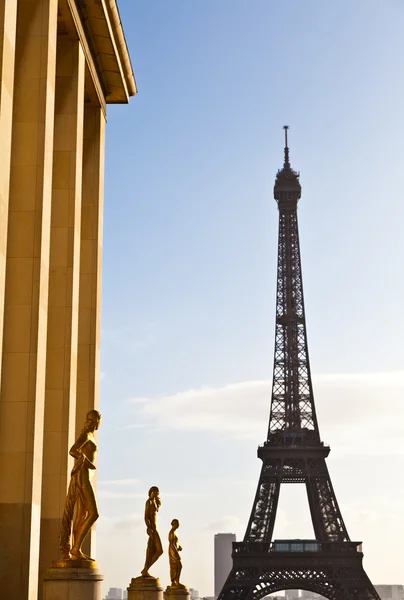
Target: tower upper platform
x: 287, y: 188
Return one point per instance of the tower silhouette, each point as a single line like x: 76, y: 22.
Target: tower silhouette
x: 331, y: 564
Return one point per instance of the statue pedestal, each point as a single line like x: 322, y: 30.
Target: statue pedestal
x: 72, y: 583
x: 176, y: 593
x: 145, y: 588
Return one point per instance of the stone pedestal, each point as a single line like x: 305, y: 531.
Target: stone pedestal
x: 145, y: 588
x: 72, y: 583
x: 177, y: 593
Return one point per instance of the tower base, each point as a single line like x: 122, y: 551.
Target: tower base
x: 333, y: 570
x: 69, y: 583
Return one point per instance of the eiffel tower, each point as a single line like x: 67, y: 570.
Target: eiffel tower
x: 330, y: 564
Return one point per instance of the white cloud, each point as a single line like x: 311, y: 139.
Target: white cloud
x: 118, y: 482
x: 358, y: 413
x: 133, y: 426
x: 135, y: 336
x: 239, y: 408
x: 139, y: 400
x: 122, y: 523
x: 228, y: 523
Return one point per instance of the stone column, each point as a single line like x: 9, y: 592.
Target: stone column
x: 61, y: 359
x: 8, y: 19
x: 90, y: 264
x: 88, y: 365
x: 26, y: 298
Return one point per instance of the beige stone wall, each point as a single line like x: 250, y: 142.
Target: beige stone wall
x: 8, y: 19
x: 26, y: 298
x: 53, y: 95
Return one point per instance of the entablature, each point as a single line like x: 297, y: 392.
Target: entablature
x: 97, y: 24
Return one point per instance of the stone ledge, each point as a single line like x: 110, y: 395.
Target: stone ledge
x: 70, y: 573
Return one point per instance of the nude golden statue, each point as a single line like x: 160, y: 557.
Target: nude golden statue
x: 81, y: 509
x: 154, y: 548
x: 174, y: 557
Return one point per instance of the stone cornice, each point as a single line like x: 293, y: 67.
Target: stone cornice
x: 122, y: 47
x: 101, y: 27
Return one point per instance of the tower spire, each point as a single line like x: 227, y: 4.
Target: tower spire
x: 287, y: 188
x: 286, y: 163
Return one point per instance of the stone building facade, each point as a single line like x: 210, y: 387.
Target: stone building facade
x: 61, y: 63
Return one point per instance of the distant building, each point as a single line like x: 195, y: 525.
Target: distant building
x: 223, y: 562
x: 125, y: 595
x: 291, y: 594
x: 390, y: 592
x: 305, y: 595
x: 194, y: 594
x: 114, y: 594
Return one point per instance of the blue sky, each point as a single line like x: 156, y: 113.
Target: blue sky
x: 190, y: 241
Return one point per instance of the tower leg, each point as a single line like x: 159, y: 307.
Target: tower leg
x: 262, y: 519
x: 325, y: 513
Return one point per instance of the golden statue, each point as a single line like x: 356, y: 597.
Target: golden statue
x: 81, y: 509
x: 154, y: 548
x: 174, y: 555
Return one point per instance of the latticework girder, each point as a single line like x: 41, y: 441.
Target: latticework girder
x: 333, y: 577
x: 292, y: 405
x: 293, y: 453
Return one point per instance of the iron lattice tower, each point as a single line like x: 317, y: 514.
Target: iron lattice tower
x: 331, y: 564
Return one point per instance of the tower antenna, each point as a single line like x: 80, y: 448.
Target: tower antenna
x: 286, y: 161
